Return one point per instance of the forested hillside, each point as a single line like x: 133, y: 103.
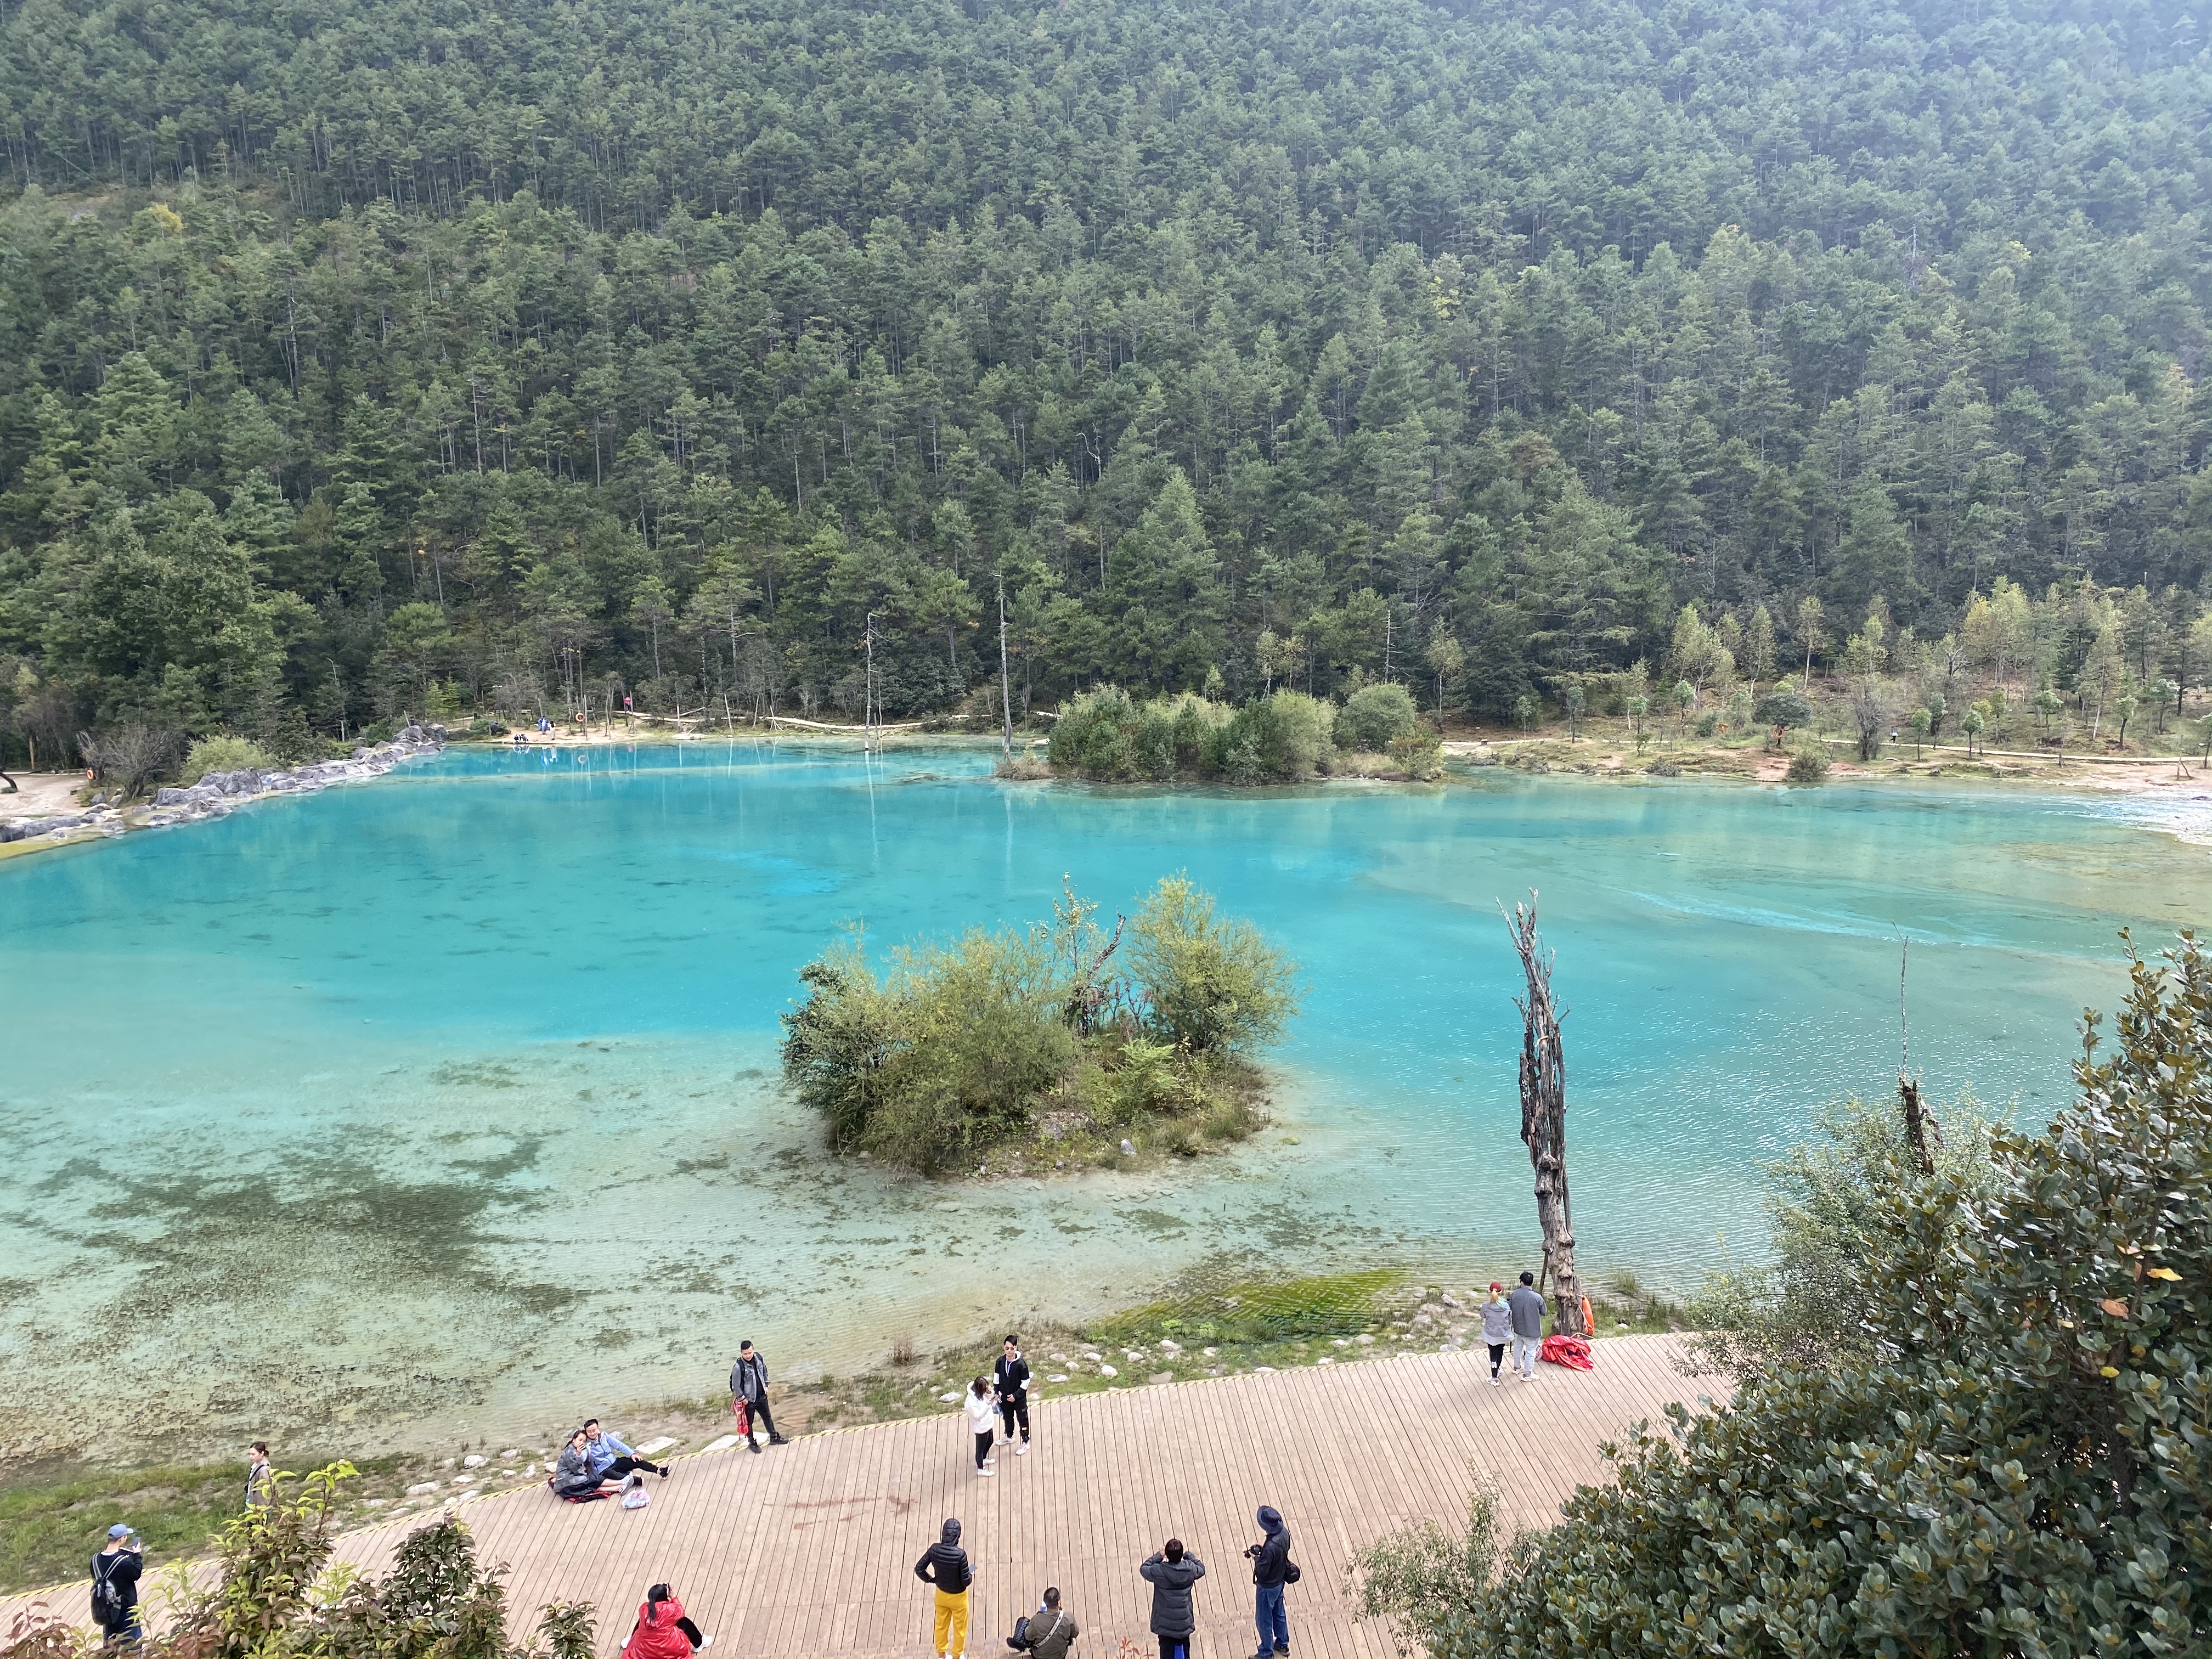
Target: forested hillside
x: 360, y: 358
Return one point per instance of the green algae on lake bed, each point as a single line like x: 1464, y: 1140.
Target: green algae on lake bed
x: 430, y: 1108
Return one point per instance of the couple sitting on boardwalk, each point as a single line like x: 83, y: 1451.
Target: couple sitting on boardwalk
x: 594, y: 1456
x: 1173, y: 1573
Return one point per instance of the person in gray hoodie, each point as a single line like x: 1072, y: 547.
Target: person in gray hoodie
x: 1527, y: 1307
x: 1497, y: 1329
x: 1271, y: 1569
x: 1171, y: 1572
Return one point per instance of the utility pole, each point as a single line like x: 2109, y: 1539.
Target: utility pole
x: 868, y: 687
x: 1006, y: 682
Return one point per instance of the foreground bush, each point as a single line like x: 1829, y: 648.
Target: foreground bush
x: 955, y: 1048
x: 2009, y: 1455
x: 272, y: 1597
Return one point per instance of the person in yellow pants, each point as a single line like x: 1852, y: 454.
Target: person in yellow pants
x: 944, y: 1564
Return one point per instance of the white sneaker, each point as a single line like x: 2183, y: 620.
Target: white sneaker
x: 986, y: 1469
x: 1022, y: 1450
x: 1494, y: 1381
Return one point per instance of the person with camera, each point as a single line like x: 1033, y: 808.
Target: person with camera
x: 115, y: 1572
x: 1271, y: 1570
x: 1171, y: 1572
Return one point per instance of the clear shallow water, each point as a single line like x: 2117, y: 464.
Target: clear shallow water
x: 448, y: 1101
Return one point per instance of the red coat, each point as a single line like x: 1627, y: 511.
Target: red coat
x: 656, y: 1635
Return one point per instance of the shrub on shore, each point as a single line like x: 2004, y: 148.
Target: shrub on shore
x: 1809, y: 765
x: 223, y: 753
x: 955, y: 1048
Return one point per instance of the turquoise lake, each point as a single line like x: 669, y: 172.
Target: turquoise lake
x: 448, y: 1101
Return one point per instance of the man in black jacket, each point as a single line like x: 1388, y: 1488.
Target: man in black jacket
x: 1271, y: 1563
x: 1012, y: 1377
x: 749, y: 1382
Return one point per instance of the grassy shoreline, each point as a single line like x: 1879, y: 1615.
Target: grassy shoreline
x: 53, y: 1514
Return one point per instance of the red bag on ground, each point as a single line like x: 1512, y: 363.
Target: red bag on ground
x: 1569, y: 1351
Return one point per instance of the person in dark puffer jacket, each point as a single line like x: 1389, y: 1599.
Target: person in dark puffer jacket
x: 944, y: 1564
x: 1171, y: 1573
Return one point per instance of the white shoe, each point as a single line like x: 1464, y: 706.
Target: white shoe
x: 987, y: 1470
x: 706, y: 1642
x: 1494, y: 1382
x: 1022, y: 1450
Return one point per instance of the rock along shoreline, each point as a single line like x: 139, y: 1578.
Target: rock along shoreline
x: 219, y: 793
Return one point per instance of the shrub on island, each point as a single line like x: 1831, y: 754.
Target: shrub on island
x: 956, y: 1049
x: 1107, y: 736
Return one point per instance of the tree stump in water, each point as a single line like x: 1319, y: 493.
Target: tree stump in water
x: 1544, y: 1114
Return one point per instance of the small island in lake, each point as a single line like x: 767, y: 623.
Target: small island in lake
x: 1054, y: 1045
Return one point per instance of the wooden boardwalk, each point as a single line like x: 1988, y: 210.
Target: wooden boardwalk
x: 807, y: 1550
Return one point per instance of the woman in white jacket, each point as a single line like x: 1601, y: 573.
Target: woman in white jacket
x: 981, y: 1405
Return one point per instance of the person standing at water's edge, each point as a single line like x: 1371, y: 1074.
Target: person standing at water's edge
x: 749, y: 1382
x: 1497, y: 1329
x: 1171, y: 1573
x: 944, y: 1566
x: 1271, y: 1570
x: 260, y: 1483
x: 982, y: 1408
x: 1527, y: 1309
x: 1012, y: 1381
x: 115, y: 1572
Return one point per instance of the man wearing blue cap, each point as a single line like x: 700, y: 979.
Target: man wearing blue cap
x: 1271, y: 1570
x: 115, y: 1586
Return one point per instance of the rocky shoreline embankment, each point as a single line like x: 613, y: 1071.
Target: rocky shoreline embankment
x: 218, y: 794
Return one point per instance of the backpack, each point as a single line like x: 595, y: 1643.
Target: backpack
x: 106, y: 1599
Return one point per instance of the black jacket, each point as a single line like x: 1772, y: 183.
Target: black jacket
x: 1172, y: 1612
x: 944, y: 1566
x: 1275, y: 1555
x: 1012, y: 1376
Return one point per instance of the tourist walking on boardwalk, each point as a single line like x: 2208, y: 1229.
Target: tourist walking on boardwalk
x: 115, y: 1572
x: 1012, y: 1381
x: 982, y: 1408
x: 1171, y: 1572
x: 260, y: 1483
x: 1528, y: 1311
x: 944, y: 1564
x: 1497, y: 1329
x: 609, y: 1458
x: 1048, y: 1632
x: 1271, y: 1570
x: 662, y: 1632
x: 749, y: 1385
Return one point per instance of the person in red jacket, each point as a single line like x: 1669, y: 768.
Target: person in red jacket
x: 662, y: 1632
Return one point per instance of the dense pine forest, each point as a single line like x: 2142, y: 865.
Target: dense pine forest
x: 416, y: 357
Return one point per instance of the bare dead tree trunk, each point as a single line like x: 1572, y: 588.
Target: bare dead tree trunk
x: 1544, y: 1114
